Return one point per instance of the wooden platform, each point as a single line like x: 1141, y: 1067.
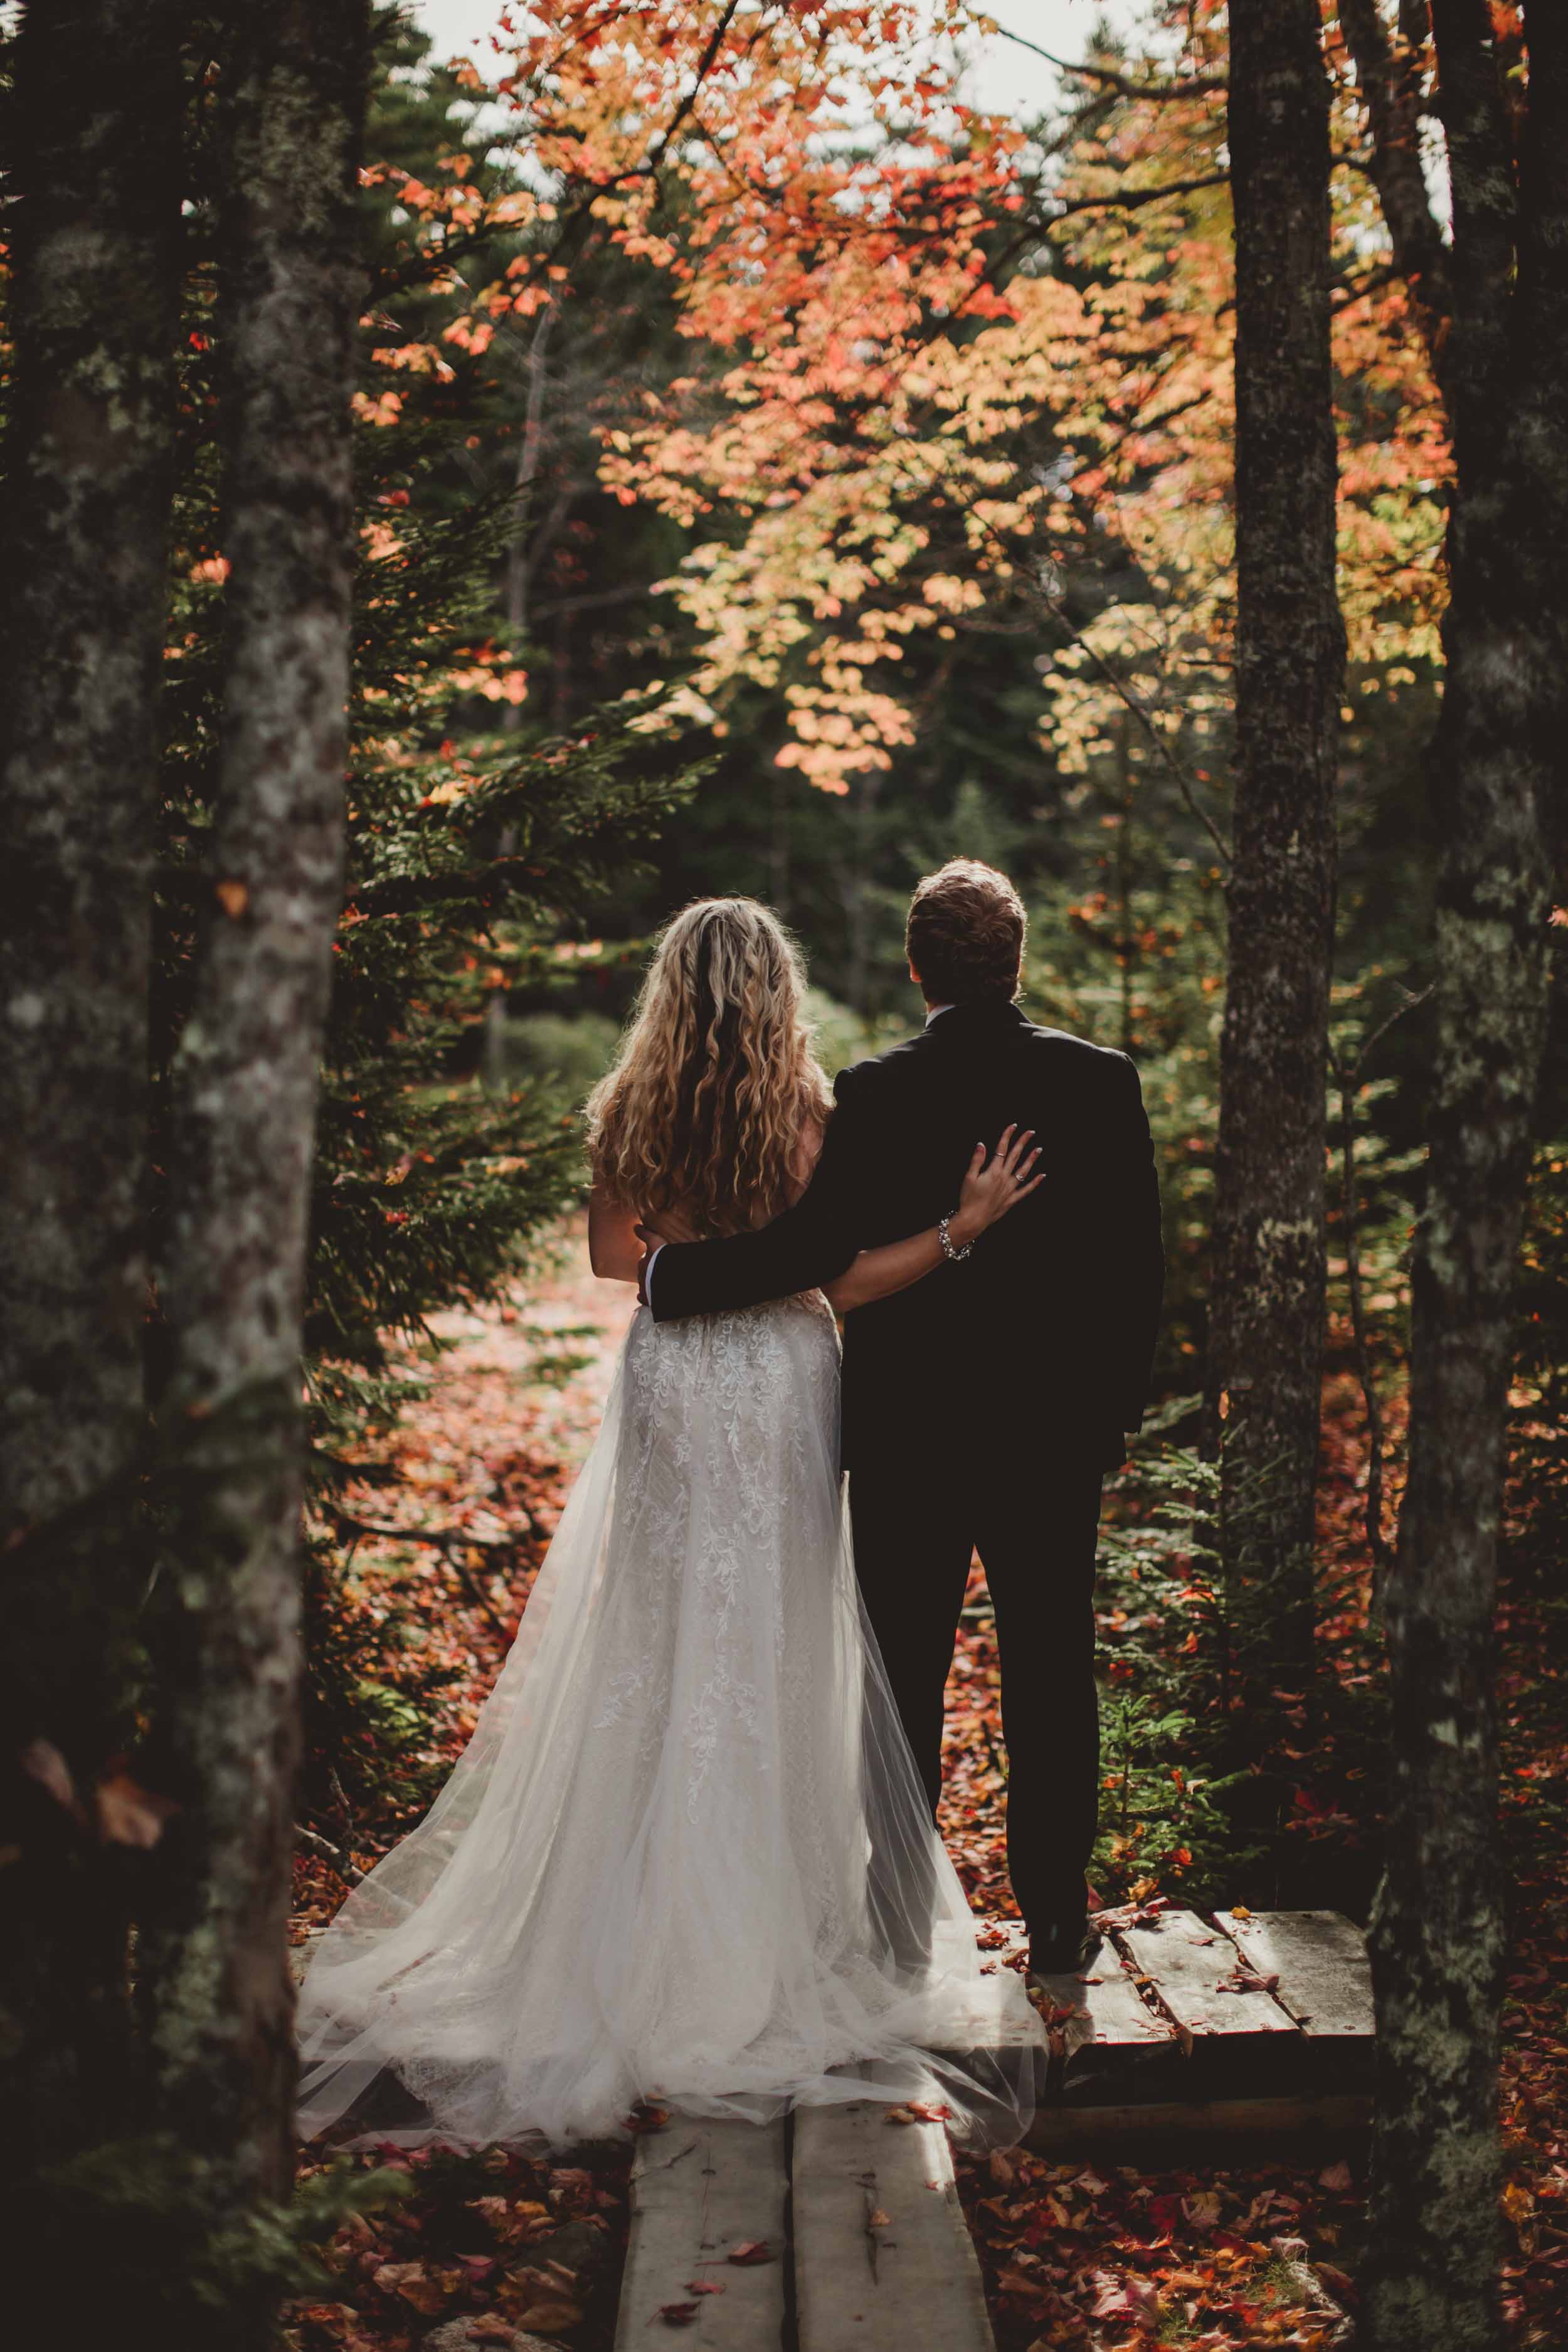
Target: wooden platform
x: 1185, y: 2026
x: 839, y: 2231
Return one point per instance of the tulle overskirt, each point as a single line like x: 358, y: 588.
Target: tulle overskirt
x: 685, y: 1856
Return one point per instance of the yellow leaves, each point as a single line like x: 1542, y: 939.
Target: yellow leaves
x: 1518, y: 2205
x: 377, y: 408
x: 379, y: 540
x: 508, y: 686
x: 233, y: 898
x: 415, y: 359
x: 952, y: 593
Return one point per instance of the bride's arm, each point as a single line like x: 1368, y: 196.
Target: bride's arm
x: 613, y: 1249
x: 987, y: 1193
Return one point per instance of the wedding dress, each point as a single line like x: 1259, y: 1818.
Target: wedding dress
x: 685, y: 1857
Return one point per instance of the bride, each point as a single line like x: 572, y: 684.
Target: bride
x: 686, y: 1855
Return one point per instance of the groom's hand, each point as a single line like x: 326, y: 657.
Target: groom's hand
x: 658, y: 1226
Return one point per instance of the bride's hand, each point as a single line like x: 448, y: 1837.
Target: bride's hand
x: 664, y: 1225
x: 993, y: 1187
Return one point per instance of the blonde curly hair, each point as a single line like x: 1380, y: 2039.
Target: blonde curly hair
x: 716, y: 1085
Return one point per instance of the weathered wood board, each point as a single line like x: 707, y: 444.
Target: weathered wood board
x: 1110, y: 2030
x: 1190, y: 1963
x: 1184, y: 2011
x: 1321, y: 1960
x: 701, y: 2189
x: 883, y: 2258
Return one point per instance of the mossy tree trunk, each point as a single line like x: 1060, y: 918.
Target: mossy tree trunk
x: 244, y: 1089
x: 1500, y: 796
x: 1270, y: 1266
x: 94, y: 213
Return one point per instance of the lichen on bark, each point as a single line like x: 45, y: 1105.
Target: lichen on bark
x: 1269, y: 1261
x: 293, y: 83
x: 93, y: 222
x: 1501, y: 806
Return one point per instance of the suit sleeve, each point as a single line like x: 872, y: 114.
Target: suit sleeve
x: 808, y: 1246
x: 1136, y: 1254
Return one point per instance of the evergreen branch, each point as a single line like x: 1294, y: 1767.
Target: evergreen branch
x: 480, y: 886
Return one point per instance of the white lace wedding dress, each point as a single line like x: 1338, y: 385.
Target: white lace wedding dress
x: 685, y: 1856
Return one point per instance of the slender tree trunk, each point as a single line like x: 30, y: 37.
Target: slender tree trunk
x: 245, y: 1083
x: 94, y: 119
x: 1270, y: 1250
x: 519, y: 547
x: 1500, y: 795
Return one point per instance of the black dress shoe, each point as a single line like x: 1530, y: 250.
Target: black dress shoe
x: 1062, y: 1950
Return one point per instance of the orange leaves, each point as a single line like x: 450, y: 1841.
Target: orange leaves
x: 117, y: 1809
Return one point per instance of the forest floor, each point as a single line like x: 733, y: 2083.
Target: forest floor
x: 1092, y: 2257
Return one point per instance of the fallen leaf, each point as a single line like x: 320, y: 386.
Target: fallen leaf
x: 677, y: 2315
x: 551, y: 2318
x: 704, y: 2286
x: 1336, y: 2176
x: 750, y: 2252
x: 412, y: 2282
x: 877, y: 2220
x: 43, y: 1762
x: 129, y: 1815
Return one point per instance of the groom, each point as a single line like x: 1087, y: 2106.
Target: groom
x: 983, y: 1406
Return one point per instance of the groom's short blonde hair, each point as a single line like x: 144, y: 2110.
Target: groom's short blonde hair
x: 965, y: 934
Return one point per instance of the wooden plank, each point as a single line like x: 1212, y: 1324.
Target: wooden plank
x: 883, y: 2258
x: 999, y: 2015
x: 1189, y: 1962
x: 1106, y: 2008
x: 700, y: 2189
x: 1321, y: 1960
x: 1185, y: 2123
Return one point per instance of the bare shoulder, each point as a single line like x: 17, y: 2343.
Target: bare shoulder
x: 807, y: 1152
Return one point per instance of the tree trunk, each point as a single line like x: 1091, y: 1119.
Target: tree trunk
x: 1270, y: 1249
x: 244, y: 1092
x: 1499, y: 797
x: 94, y: 118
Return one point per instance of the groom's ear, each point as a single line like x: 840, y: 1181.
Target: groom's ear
x: 914, y: 976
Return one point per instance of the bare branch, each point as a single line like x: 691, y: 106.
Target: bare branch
x: 1188, y: 86
x: 349, y: 1871
x: 1130, y: 199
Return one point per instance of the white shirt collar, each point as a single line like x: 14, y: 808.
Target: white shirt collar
x: 934, y: 1012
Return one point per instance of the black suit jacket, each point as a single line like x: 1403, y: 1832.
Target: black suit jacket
x: 1049, y: 1326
